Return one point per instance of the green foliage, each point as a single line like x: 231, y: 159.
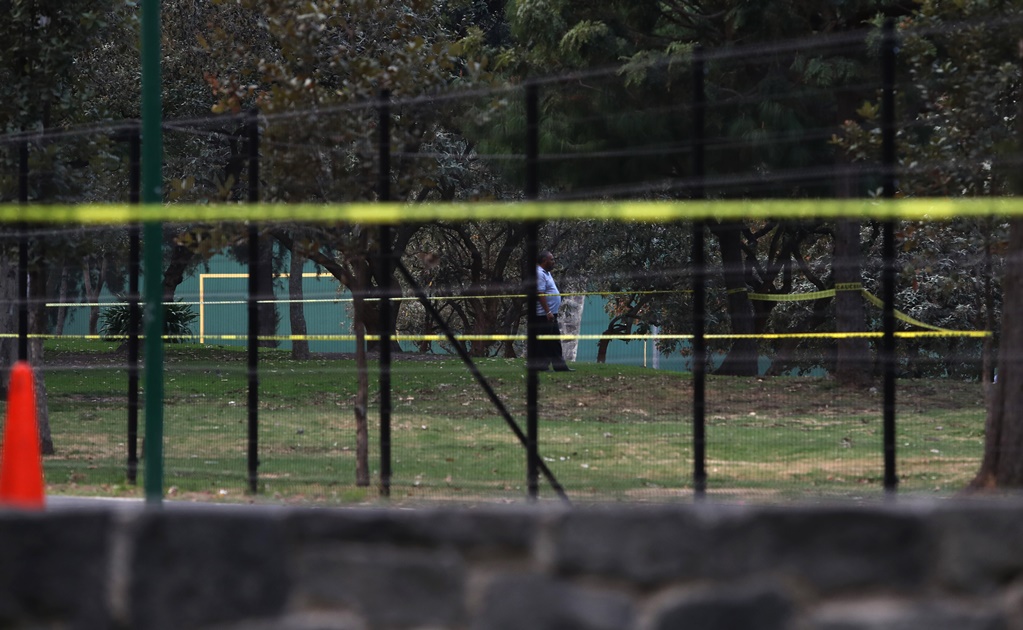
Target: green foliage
x: 316, y: 84
x: 177, y: 321
x: 537, y: 24
x: 313, y: 70
x: 650, y: 45
x: 45, y: 85
x: 956, y: 115
x: 584, y: 35
x: 958, y: 105
x: 338, y: 57
x: 772, y: 108
x: 41, y: 42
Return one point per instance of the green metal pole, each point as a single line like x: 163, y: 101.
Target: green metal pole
x: 152, y: 236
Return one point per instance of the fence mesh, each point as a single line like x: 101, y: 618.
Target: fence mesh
x: 794, y: 393
x: 620, y: 427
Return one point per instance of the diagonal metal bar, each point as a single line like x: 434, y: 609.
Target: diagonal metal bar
x: 482, y: 380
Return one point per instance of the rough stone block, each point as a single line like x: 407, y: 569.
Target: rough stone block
x: 301, y: 621
x: 891, y: 614
x: 188, y: 569
x: 53, y: 569
x: 979, y: 545
x: 538, y: 602
x: 641, y: 545
x: 388, y: 586
x: 486, y: 530
x: 827, y: 549
x: 747, y: 607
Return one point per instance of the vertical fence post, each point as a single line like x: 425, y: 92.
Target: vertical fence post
x: 529, y: 279
x: 23, y: 254
x: 386, y: 318
x: 699, y: 283
x: 252, y: 131
x: 152, y: 234
x: 888, y: 165
x: 134, y: 311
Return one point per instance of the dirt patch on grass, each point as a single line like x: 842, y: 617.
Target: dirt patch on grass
x: 758, y: 400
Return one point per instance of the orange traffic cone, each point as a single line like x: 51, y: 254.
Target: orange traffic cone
x: 21, y: 463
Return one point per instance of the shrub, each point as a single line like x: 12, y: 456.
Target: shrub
x: 177, y: 321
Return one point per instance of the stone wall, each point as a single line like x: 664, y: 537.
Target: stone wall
x: 955, y: 566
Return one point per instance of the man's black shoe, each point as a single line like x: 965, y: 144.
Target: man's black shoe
x: 564, y: 369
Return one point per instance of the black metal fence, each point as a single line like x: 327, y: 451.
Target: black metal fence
x: 265, y: 148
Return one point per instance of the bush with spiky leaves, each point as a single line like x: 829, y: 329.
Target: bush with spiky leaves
x: 177, y: 321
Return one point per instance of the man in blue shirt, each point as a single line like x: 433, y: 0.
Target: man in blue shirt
x: 545, y: 318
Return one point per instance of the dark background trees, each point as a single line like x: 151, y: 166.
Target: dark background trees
x: 44, y: 86
x: 780, y: 79
x: 793, y: 94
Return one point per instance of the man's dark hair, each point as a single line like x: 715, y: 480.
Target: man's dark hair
x: 542, y: 256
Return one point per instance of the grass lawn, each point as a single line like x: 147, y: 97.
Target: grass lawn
x: 607, y: 432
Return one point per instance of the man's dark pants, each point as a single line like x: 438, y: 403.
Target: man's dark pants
x: 548, y: 350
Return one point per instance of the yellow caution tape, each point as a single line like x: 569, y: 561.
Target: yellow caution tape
x: 867, y: 295
x: 912, y: 208
x: 848, y: 286
x: 792, y: 297
x: 899, y: 315
x: 977, y: 334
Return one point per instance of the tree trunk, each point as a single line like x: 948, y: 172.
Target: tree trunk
x: 852, y: 359
x: 35, y: 356
x: 355, y: 276
x: 92, y: 291
x: 1002, y: 466
x: 174, y: 275
x: 296, y: 308
x: 37, y: 326
x: 62, y: 299
x: 268, y: 315
x: 741, y: 359
x: 362, y: 388
x: 361, y: 406
x: 483, y: 319
x: 987, y: 360
x: 429, y: 328
x: 8, y: 318
x: 786, y: 356
x: 510, y: 327
x: 618, y: 325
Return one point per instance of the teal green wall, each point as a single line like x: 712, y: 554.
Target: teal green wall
x: 226, y: 311
x: 328, y: 312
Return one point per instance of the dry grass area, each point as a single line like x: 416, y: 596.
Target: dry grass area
x: 607, y: 432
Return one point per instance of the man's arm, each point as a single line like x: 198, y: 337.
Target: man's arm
x: 542, y: 289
